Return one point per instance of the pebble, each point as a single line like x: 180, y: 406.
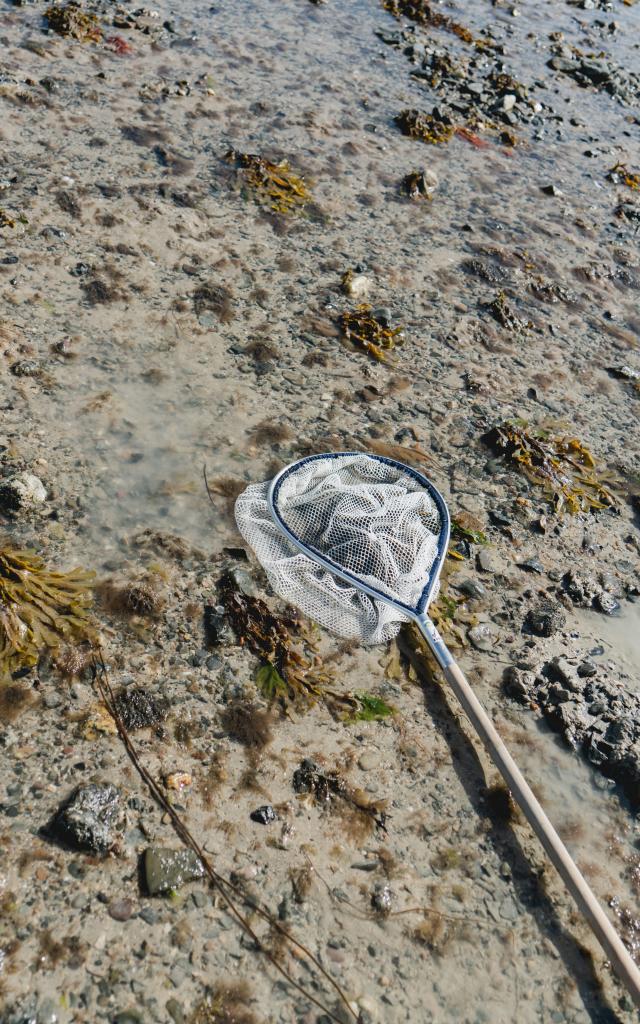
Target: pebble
x: 91, y: 819
x: 484, y: 561
x: 264, y: 815
x: 546, y: 619
x: 508, y: 909
x: 21, y: 494
x: 368, y: 761
x: 170, y: 869
x: 481, y: 637
x: 120, y: 909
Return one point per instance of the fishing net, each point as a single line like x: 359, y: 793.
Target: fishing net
x: 371, y: 518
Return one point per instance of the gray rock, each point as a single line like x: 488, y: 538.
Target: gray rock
x: 382, y: 898
x: 165, y: 870
x: 484, y: 561
x: 92, y: 819
x: 22, y: 494
x: 472, y: 588
x: 368, y: 761
x: 481, y: 637
x: 546, y: 619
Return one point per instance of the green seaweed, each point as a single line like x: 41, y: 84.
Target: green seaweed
x: 461, y: 532
x: 371, y: 708
x: 270, y: 683
x: 39, y: 609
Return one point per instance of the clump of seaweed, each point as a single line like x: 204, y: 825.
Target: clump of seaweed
x: 275, y: 184
x: 287, y: 674
x: 621, y: 175
x: 14, y: 699
x: 370, y: 709
x: 361, y: 327
x: 504, y: 314
x: 227, y: 1003
x: 142, y: 596
x: 247, y: 723
x: 6, y: 221
x: 427, y: 127
x: 422, y: 12
x: 39, y: 609
x: 213, y: 298
x: 359, y: 813
x: 70, y: 20
x: 562, y: 466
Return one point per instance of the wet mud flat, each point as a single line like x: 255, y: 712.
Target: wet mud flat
x: 230, y: 236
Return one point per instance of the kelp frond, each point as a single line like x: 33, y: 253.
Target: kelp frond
x: 39, y: 609
x: 274, y: 184
x: 562, y: 466
x: 361, y: 327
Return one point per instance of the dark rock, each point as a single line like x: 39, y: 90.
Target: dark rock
x: 471, y: 588
x: 382, y: 898
x: 139, y: 709
x: 546, y: 619
x: 606, y: 603
x: 264, y: 815
x: 532, y: 565
x: 586, y: 669
x: 92, y: 819
x: 216, y: 627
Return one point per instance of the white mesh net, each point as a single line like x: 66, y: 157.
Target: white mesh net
x: 370, y: 518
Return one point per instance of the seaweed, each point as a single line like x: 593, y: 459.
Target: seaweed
x: 214, y: 298
x: 621, y: 175
x: 427, y: 127
x: 39, y: 609
x: 142, y: 596
x: 422, y: 12
x: 359, y: 813
x: 504, y: 314
x: 14, y: 699
x: 562, y: 466
x: 361, y: 327
x: 227, y: 1003
x: 71, y: 21
x: 274, y: 184
x: 463, y: 527
x: 371, y: 708
x: 6, y: 221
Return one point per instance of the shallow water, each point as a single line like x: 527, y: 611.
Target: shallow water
x: 156, y: 393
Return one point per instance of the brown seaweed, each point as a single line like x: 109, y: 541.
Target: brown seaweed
x: 367, y: 332
x: 39, y: 609
x: 562, y: 466
x: 71, y: 21
x: 274, y: 184
x: 426, y: 127
x: 423, y: 13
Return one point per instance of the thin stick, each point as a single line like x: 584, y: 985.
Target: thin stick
x: 219, y: 883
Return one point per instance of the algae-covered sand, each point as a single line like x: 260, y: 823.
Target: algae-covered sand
x: 232, y: 235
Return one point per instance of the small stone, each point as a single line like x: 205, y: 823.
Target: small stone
x: 382, y: 898
x: 532, y: 565
x: 358, y: 286
x: 484, y: 561
x: 216, y: 627
x: 481, y: 637
x: 546, y: 619
x: 52, y: 700
x: 472, y: 588
x: 550, y: 190
x: 508, y: 909
x: 509, y: 101
x: 92, y: 819
x: 149, y: 915
x: 120, y: 910
x: 22, y: 494
x: 368, y: 761
x: 586, y: 669
x: 606, y: 603
x: 139, y: 709
x: 264, y: 815
x: 175, y: 1011
x: 169, y: 869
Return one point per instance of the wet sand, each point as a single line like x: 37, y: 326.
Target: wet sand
x: 119, y: 387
